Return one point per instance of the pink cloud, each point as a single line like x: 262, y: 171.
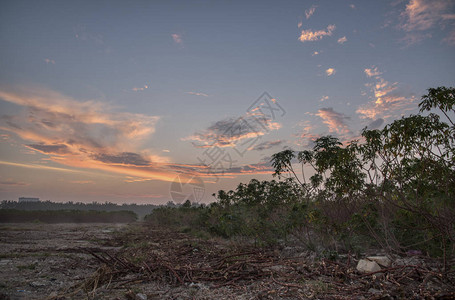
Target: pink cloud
x: 309, y: 35
x: 177, y: 38
x: 335, y: 121
x: 309, y: 12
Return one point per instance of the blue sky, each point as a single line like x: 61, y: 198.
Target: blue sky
x: 112, y: 100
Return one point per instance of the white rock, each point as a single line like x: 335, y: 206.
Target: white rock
x: 381, y: 260
x: 367, y: 266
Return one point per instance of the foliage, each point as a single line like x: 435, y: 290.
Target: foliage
x: 66, y: 216
x: 140, y: 209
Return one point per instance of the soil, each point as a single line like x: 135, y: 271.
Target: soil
x: 119, y: 261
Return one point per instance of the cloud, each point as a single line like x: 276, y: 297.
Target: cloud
x: 124, y: 158
x: 86, y: 134
x: 335, y: 121
x: 315, y: 53
x: 197, y: 94
x: 138, y: 89
x: 299, y: 25
x: 323, y: 98
x: 421, y: 16
x: 373, y: 71
x: 306, y: 134
x: 386, y: 101
x: 49, y: 61
x: 82, y: 182
x: 330, y: 71
x: 342, y: 40
x: 227, y: 132
x: 177, y: 38
x: 376, y: 123
x: 39, y: 167
x: 352, y: 6
x: 309, y: 35
x: 53, y: 149
x: 310, y: 11
x: 450, y: 39
x: 266, y: 145
x: 82, y: 33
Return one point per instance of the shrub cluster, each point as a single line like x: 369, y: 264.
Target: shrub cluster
x: 393, y: 188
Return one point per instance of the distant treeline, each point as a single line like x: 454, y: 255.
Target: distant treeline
x: 139, y: 209
x: 66, y: 216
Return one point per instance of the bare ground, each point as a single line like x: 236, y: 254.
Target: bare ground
x: 109, y: 261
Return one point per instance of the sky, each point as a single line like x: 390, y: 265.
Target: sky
x: 152, y: 101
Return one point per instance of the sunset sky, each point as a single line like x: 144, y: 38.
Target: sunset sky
x: 113, y: 100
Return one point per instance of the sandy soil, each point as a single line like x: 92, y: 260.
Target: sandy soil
x: 42, y: 260
x: 45, y: 261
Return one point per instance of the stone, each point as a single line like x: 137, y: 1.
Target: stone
x: 381, y: 260
x: 140, y: 296
x: 367, y: 266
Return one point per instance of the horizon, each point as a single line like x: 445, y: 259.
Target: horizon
x: 127, y: 102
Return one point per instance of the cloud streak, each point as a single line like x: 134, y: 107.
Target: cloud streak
x: 197, y: 94
x: 138, y: 89
x: 228, y: 132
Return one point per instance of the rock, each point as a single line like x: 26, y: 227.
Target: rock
x: 140, y: 296
x: 38, y: 284
x: 367, y: 266
x: 4, y: 262
x: 381, y: 260
x: 374, y: 292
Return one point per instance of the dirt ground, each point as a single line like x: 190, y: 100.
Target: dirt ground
x: 118, y: 261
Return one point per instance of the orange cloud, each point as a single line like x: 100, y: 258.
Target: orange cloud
x: 309, y: 35
x: 323, y: 98
x: 373, y: 71
x: 330, y: 71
